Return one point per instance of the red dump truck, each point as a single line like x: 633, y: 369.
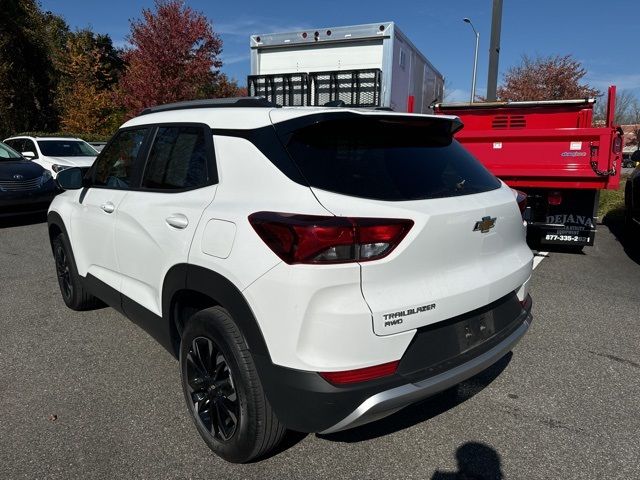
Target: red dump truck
x: 551, y: 151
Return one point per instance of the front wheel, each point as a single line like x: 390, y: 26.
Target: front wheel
x: 222, y: 389
x: 74, y: 294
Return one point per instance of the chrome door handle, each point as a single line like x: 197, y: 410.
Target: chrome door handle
x: 178, y: 221
x: 108, y: 207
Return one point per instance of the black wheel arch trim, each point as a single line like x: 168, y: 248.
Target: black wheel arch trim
x: 54, y: 219
x: 194, y: 278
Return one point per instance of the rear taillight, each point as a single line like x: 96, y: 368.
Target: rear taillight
x: 554, y: 198
x: 617, y: 145
x: 322, y: 239
x: 521, y: 198
x: 362, y: 374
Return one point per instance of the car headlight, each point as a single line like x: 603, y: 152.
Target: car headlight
x: 46, y: 176
x: 58, y: 168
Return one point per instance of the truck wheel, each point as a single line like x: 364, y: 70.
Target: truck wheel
x: 73, y: 293
x: 222, y: 389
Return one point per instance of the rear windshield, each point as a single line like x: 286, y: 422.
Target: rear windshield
x: 387, y: 159
x: 66, y: 148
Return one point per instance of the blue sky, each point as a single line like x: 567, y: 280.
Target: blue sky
x: 603, y: 35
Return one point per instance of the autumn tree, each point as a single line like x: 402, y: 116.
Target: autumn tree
x: 173, y: 55
x: 546, y: 78
x: 224, y: 87
x: 90, y: 69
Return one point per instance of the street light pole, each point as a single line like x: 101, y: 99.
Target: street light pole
x: 475, y: 60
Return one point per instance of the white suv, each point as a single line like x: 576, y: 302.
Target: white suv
x: 55, y: 153
x: 313, y: 269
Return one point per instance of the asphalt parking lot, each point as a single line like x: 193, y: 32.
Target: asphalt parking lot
x: 89, y: 395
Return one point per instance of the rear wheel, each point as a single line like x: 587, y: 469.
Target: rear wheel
x: 73, y: 293
x: 222, y: 389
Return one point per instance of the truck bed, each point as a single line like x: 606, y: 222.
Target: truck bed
x: 550, y: 158
x: 542, y: 144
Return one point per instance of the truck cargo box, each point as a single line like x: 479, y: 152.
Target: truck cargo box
x: 373, y: 65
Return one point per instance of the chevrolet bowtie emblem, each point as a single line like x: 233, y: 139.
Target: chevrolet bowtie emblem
x: 486, y: 224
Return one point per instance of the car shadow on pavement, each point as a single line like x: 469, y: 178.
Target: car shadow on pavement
x: 614, y: 221
x: 290, y: 439
x: 425, y: 410
x: 476, y: 461
x: 23, y: 220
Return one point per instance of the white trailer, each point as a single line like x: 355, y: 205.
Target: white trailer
x: 373, y: 65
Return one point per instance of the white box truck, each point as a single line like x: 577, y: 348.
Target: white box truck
x: 373, y: 66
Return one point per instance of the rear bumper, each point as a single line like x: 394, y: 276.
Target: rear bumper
x: 304, y: 401
x: 385, y: 403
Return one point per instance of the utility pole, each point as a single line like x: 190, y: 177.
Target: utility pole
x: 494, y: 51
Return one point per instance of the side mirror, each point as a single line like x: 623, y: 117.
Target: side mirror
x: 70, y: 178
x: 29, y: 155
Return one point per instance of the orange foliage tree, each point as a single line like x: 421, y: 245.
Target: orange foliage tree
x: 89, y: 71
x: 546, y: 78
x: 174, y: 56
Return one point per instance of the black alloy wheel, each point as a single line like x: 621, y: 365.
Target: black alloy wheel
x: 74, y: 293
x: 63, y: 270
x: 211, y: 389
x: 222, y: 388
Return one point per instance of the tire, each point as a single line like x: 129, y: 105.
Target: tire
x: 222, y: 390
x: 73, y: 292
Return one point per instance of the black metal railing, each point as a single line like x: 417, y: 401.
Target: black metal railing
x: 288, y: 89
x: 356, y: 88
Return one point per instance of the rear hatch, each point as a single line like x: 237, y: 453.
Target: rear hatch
x: 467, y: 246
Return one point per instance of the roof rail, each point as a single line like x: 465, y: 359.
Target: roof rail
x: 234, y: 102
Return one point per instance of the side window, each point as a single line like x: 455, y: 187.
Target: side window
x: 16, y: 144
x: 117, y: 165
x: 29, y: 146
x: 177, y: 160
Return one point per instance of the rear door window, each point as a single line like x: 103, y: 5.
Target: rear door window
x: 178, y: 159
x: 387, y: 158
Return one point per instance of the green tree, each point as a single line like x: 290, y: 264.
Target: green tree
x: 28, y: 77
